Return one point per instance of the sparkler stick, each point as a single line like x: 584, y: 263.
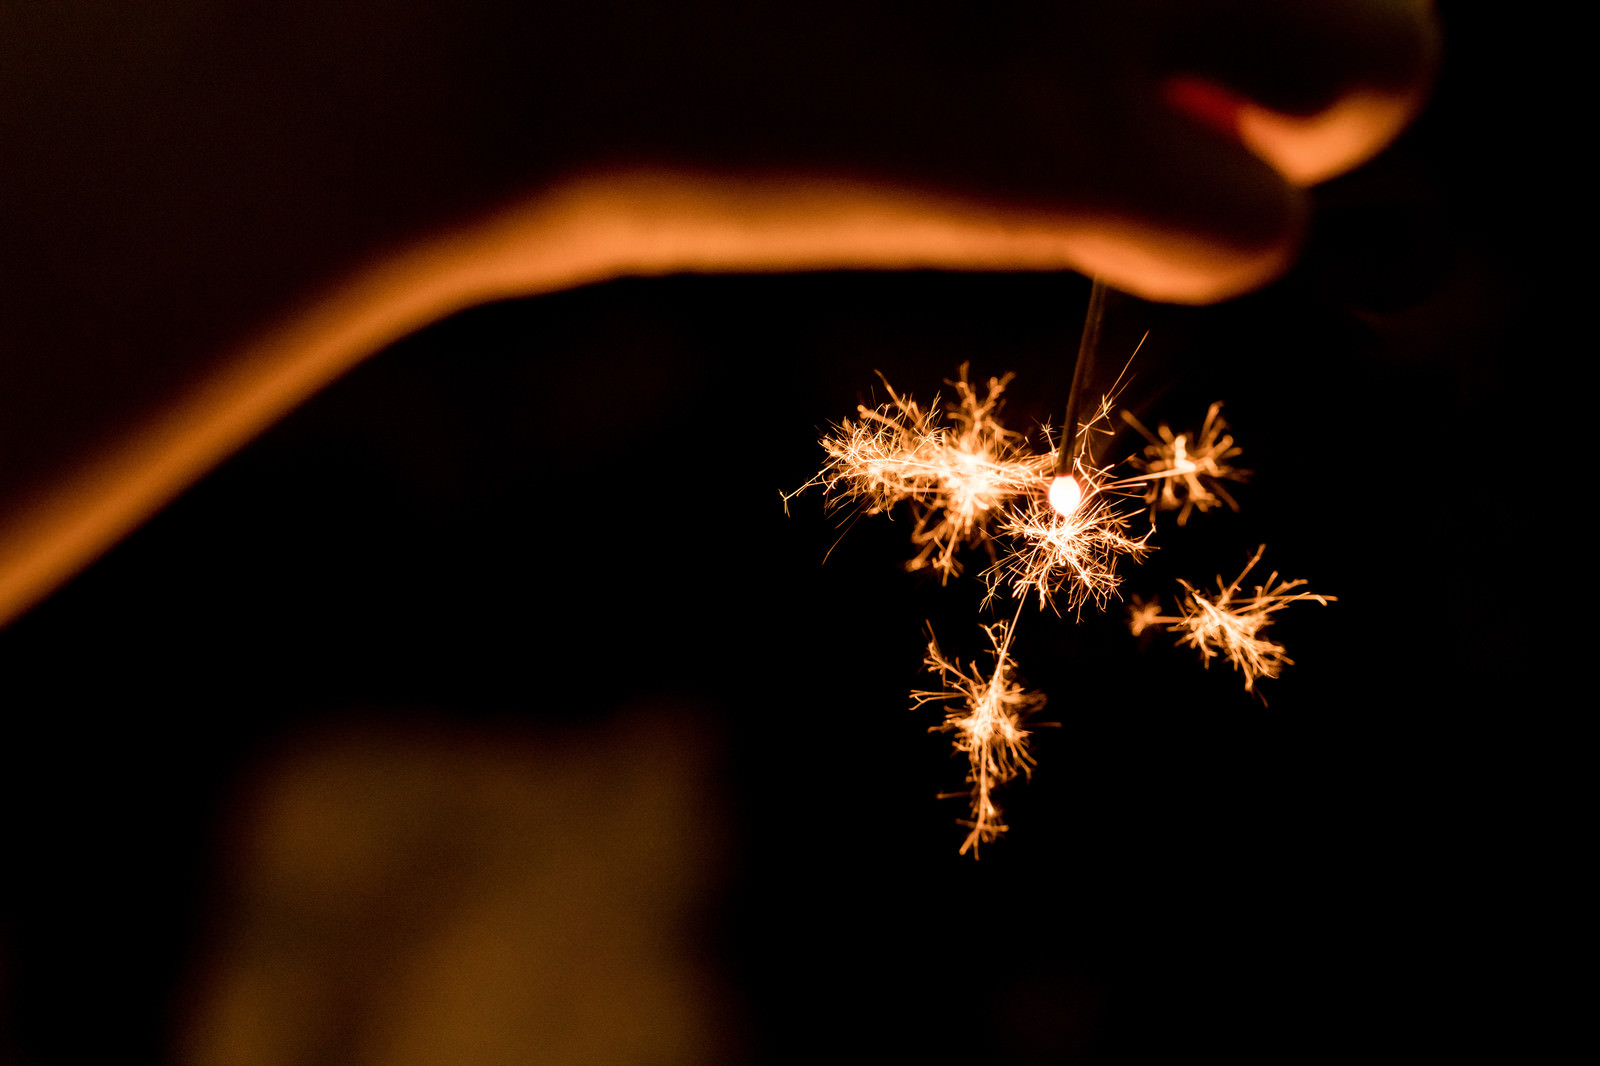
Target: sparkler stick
x: 1082, y: 377
x: 1077, y: 474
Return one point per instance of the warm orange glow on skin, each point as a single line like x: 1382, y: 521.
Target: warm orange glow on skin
x: 592, y: 229
x: 1318, y: 147
x: 1305, y: 150
x: 313, y: 248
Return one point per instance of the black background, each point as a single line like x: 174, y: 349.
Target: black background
x: 585, y: 486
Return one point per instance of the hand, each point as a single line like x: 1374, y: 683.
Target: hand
x: 209, y: 210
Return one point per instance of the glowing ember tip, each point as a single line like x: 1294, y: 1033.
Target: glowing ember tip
x: 1065, y: 495
x: 1066, y: 559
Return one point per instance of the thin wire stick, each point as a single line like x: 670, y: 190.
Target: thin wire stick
x: 1082, y: 377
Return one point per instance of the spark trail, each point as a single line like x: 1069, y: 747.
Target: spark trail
x: 986, y: 711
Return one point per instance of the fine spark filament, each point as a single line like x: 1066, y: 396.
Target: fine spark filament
x: 985, y: 711
x: 1229, y: 623
x: 956, y: 468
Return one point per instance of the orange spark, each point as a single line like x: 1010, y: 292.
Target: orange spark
x: 1183, y: 474
x: 956, y: 469
x: 1143, y: 614
x: 986, y: 713
x: 1229, y: 625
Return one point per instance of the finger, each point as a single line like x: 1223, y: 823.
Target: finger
x: 1315, y: 89
x: 1304, y: 149
x: 1300, y: 58
x: 1186, y: 213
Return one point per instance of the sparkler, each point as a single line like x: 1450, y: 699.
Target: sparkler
x: 1229, y: 624
x: 986, y: 712
x: 1183, y: 474
x: 1066, y: 546
x: 956, y: 469
x: 1063, y: 527
x: 1066, y: 492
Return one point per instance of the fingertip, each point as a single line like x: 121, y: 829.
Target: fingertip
x: 1313, y: 149
x: 1196, y: 217
x: 1304, y: 149
x: 1344, y: 128
x: 1169, y: 267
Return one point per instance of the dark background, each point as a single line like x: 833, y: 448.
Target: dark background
x: 488, y: 519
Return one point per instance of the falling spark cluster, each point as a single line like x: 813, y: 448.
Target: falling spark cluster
x: 986, y: 712
x: 1183, y: 474
x: 1229, y: 623
x: 957, y: 468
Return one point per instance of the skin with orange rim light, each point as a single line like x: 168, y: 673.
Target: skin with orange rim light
x: 211, y: 211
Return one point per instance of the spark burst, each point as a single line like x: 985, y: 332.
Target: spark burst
x: 957, y: 470
x: 1228, y: 624
x: 1185, y: 475
x: 1066, y: 560
x: 986, y: 713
